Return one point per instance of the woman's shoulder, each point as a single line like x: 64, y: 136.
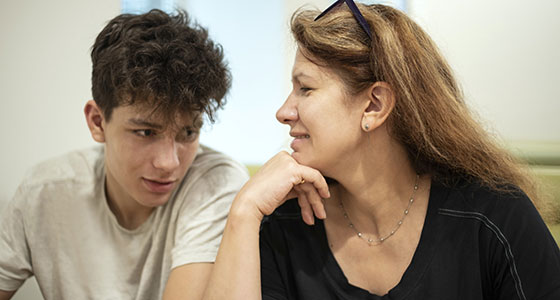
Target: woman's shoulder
x: 514, y: 243
x: 506, y: 214
x: 477, y: 198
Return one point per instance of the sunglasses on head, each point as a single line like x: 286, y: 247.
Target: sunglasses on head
x: 355, y: 11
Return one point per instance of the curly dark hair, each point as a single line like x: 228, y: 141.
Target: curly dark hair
x: 161, y: 61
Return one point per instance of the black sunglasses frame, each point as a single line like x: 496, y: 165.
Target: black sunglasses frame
x: 355, y: 11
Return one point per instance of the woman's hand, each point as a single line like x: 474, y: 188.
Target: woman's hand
x: 279, y: 179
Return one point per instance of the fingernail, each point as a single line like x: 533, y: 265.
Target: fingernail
x: 312, y: 220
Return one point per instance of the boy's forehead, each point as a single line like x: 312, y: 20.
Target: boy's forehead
x: 151, y: 116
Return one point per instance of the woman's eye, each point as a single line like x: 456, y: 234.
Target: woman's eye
x: 305, y: 90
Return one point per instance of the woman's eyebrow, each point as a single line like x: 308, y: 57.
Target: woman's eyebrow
x: 298, y: 76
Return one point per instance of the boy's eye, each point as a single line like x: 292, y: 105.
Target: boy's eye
x: 145, y: 132
x: 188, y: 135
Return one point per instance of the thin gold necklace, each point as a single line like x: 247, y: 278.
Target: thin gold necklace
x: 380, y: 240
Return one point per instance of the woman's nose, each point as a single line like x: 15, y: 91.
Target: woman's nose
x: 287, y: 113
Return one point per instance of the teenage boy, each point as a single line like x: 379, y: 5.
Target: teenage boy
x: 140, y: 217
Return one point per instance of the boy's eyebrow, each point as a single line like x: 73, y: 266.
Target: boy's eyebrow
x: 141, y: 122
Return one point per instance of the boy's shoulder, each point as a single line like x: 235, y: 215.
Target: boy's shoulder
x: 208, y: 160
x: 77, y: 165
x: 212, y: 173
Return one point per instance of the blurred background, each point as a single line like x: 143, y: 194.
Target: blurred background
x: 506, y: 55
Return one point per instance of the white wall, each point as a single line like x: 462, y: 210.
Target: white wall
x: 253, y: 50
x: 506, y: 54
x: 45, y: 79
x: 44, y: 83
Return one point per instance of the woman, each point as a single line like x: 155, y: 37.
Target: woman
x: 409, y: 197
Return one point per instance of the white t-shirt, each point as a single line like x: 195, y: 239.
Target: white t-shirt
x: 59, y: 228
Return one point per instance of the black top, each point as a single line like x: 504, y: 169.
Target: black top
x: 475, y: 244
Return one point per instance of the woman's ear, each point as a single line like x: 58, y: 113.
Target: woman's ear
x: 95, y: 121
x: 380, y: 102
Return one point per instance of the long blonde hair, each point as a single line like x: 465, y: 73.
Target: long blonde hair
x: 430, y: 117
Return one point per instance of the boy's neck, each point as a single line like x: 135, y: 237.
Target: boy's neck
x: 129, y: 213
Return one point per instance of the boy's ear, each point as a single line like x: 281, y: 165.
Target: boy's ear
x: 95, y: 121
x: 381, y: 101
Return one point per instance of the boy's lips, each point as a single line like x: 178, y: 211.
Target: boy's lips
x: 159, y: 186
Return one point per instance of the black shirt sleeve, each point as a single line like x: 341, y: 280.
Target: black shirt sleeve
x: 525, y: 261
x: 272, y: 285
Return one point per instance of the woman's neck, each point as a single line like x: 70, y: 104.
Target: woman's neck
x: 376, y: 188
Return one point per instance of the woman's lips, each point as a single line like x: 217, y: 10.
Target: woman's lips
x: 298, y: 140
x: 159, y: 187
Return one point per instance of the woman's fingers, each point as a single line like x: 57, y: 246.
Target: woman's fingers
x: 306, y: 210
x: 310, y: 187
x: 291, y: 195
x: 314, y: 203
x: 314, y: 177
x: 282, y: 178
